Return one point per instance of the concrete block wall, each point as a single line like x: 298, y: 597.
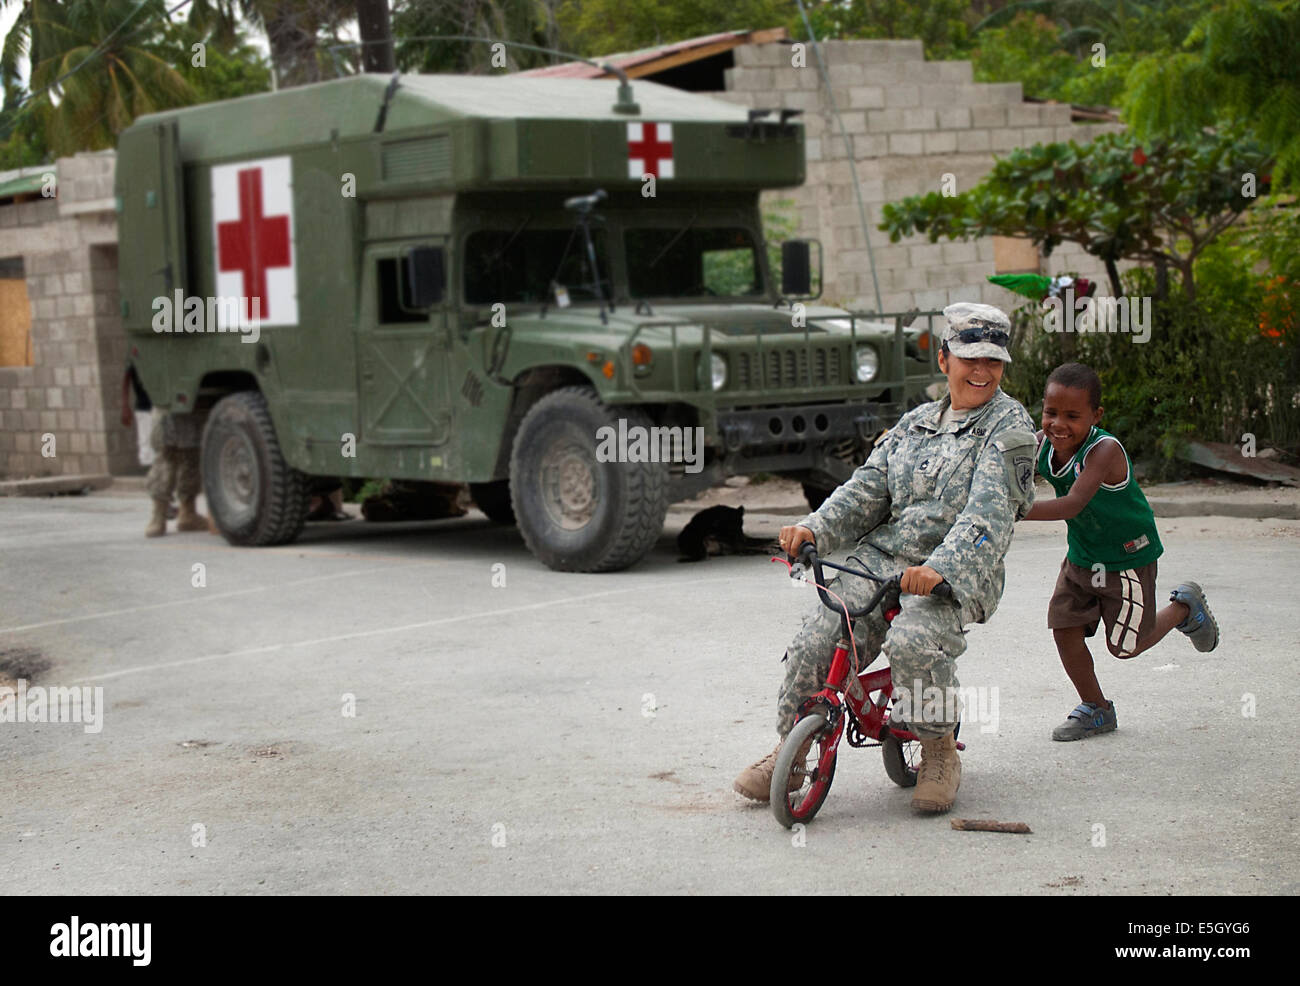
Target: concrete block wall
x: 68, y: 246
x: 908, y: 123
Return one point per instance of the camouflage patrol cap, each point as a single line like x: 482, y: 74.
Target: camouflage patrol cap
x: 977, y: 331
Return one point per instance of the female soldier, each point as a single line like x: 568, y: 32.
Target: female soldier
x: 936, y: 500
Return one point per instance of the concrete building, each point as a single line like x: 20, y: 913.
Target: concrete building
x: 62, y: 347
x: 909, y: 123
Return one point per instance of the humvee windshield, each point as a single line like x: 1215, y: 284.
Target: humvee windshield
x: 691, y: 262
x: 519, y: 265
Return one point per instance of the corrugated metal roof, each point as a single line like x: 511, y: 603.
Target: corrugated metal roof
x: 25, y: 184
x: 631, y: 59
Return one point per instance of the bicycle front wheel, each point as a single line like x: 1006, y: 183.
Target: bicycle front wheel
x: 799, y: 785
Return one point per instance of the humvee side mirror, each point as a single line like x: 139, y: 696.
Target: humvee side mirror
x: 796, y: 268
x: 423, y: 284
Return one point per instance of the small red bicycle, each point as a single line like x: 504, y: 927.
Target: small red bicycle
x: 855, y: 703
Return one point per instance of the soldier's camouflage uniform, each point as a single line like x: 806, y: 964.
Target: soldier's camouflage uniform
x: 175, y: 440
x: 943, y: 497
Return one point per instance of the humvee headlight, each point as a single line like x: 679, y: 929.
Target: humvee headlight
x: 718, y: 371
x: 868, y: 364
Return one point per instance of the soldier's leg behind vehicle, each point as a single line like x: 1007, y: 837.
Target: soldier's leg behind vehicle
x: 183, y: 437
x: 189, y: 481
x: 808, y: 658
x: 162, y: 474
x: 923, y: 644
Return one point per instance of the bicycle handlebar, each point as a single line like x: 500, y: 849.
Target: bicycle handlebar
x: 808, y: 556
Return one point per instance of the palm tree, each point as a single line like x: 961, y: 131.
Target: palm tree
x: 16, y: 45
x: 99, y: 64
x: 294, y: 29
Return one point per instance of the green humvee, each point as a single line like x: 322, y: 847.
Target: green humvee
x: 535, y: 286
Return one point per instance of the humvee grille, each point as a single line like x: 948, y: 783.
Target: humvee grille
x: 427, y: 157
x: 787, y: 367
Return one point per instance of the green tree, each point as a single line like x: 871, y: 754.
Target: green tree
x: 1027, y: 50
x: 1160, y: 205
x: 1239, y: 63
x: 1079, y: 51
x: 22, y: 133
x: 229, y: 67
x: 941, y: 25
x: 300, y: 33
x: 605, y: 27
x: 99, y: 64
x: 416, y: 22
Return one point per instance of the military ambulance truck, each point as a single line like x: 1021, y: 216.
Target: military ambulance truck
x: 554, y: 290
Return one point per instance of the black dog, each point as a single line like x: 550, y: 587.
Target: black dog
x: 718, y: 531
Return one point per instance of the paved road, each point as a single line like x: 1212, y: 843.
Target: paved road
x: 575, y: 733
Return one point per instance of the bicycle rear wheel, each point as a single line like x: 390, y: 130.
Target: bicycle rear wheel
x: 903, y: 758
x: 799, y: 785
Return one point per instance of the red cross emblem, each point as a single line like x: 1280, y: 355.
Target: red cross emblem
x: 252, y: 211
x: 253, y: 243
x: 650, y: 150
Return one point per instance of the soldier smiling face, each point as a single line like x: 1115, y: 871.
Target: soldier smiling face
x: 971, y: 382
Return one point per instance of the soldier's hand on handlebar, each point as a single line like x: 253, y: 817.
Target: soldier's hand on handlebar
x: 920, y: 580
x: 792, y: 536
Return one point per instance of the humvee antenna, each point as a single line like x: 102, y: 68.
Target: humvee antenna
x: 624, y: 104
x: 388, y: 98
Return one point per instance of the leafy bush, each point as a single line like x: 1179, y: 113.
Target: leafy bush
x: 1207, y: 372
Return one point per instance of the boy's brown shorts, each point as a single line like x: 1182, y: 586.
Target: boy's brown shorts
x: 1125, y: 600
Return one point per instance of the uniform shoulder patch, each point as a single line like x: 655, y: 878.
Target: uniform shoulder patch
x: 1011, y: 439
x: 1018, y: 446
x: 1023, y: 466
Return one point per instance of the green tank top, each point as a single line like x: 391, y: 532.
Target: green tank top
x: 1116, y: 527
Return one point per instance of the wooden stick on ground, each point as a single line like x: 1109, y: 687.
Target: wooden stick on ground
x: 985, y: 825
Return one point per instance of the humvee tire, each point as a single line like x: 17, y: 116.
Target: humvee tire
x: 494, y: 500
x: 255, y: 497
x: 577, y: 514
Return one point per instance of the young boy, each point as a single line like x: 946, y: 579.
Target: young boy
x: 1109, y: 573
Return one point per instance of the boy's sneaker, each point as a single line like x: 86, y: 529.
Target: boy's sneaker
x: 1200, y: 626
x: 1086, y: 720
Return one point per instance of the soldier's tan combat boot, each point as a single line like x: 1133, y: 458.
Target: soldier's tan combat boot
x: 755, y: 781
x: 189, y: 518
x: 940, y: 775
x: 158, y: 522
